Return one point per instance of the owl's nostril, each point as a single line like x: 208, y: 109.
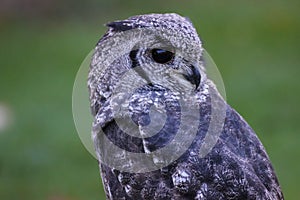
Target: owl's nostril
x: 193, y: 75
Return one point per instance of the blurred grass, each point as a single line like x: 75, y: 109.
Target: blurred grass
x: 256, y: 46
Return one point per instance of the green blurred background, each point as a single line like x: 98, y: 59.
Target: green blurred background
x: 255, y: 45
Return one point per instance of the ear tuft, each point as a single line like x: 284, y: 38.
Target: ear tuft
x: 120, y: 25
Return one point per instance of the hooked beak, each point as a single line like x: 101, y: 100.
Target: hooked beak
x: 193, y: 75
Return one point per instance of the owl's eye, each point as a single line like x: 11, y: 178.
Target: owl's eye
x: 162, y: 56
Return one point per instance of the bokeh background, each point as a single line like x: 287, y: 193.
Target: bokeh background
x: 255, y: 44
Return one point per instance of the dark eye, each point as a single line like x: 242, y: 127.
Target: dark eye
x: 162, y: 56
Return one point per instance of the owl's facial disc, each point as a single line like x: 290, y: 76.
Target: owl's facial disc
x: 157, y: 61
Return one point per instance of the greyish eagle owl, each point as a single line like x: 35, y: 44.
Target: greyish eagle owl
x: 161, y: 129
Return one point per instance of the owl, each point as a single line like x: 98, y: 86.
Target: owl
x: 161, y: 129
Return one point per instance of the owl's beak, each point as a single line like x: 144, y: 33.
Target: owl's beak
x: 193, y: 75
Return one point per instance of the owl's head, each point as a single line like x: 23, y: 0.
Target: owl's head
x: 155, y: 49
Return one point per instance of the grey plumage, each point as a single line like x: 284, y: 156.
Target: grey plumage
x: 236, y: 167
